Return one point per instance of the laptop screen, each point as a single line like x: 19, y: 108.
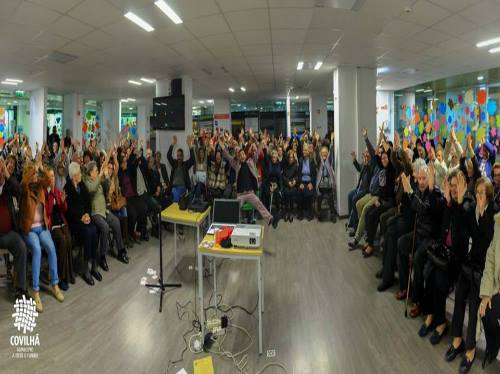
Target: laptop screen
x: 226, y: 211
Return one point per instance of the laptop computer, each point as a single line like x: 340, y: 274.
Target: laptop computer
x: 226, y: 213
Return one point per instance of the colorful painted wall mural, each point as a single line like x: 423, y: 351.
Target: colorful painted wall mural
x: 91, y: 128
x: 3, y: 126
x: 128, y: 126
x: 471, y: 111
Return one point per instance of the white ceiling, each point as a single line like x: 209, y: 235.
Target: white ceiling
x: 258, y: 42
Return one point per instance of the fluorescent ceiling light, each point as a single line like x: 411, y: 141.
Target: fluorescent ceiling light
x: 420, y: 90
x: 300, y: 65
x: 382, y: 70
x: 165, y: 8
x: 147, y: 80
x: 202, y: 101
x: 428, y: 90
x: 296, y: 97
x: 124, y: 100
x: 139, y: 21
x: 488, y: 42
x: 243, y: 89
x: 14, y: 80
x: 135, y: 82
x: 494, y: 50
x: 480, y: 78
x: 318, y: 65
x: 210, y: 101
x: 130, y: 108
x: 9, y: 83
x: 231, y: 89
x: 130, y: 99
x: 378, y: 87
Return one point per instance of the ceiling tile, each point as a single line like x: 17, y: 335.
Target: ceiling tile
x: 430, y: 36
x: 173, y: 34
x: 220, y: 41
x: 49, y: 40
x: 248, y: 20
x: 257, y: 50
x: 33, y: 14
x: 96, y: 13
x: 232, y: 5
x: 97, y: 39
x: 288, y: 36
x: 252, y: 37
x: 69, y: 27
x: 455, y: 25
x: 189, y: 10
x: 323, y: 36
x: 454, y: 5
x: 62, y: 6
x: 425, y: 13
x: 291, y: 18
x: 8, y: 8
x: 291, y: 3
x: 210, y: 25
x: 486, y: 12
x: 398, y: 27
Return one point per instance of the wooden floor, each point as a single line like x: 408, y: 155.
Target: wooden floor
x: 323, y: 315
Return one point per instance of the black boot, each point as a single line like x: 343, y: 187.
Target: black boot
x: 86, y: 274
x: 95, y: 272
x: 125, y: 235
x: 103, y: 263
x: 122, y: 256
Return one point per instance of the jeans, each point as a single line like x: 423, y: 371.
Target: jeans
x: 15, y: 244
x: 177, y: 192
x: 122, y: 213
x: 39, y: 238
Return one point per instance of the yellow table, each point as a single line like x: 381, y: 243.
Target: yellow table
x: 186, y: 217
x: 235, y: 254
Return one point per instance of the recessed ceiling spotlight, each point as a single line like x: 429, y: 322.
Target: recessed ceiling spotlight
x: 231, y: 89
x: 135, y: 82
x: 318, y: 65
x: 139, y: 21
x: 169, y: 12
x: 488, y: 42
x: 148, y: 80
x: 243, y: 89
x: 480, y: 78
x: 300, y: 65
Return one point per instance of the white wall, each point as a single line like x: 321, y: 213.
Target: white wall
x: 72, y: 115
x: 110, y: 126
x: 38, y: 120
x: 318, y: 114
x: 143, y: 125
x: 385, y: 112
x: 222, y: 108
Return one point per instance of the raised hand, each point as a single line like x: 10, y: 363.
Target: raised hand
x: 174, y: 140
x: 431, y: 176
x: 364, y: 132
x: 446, y: 191
x: 406, y: 183
x: 397, y: 140
x: 353, y: 155
x: 461, y: 188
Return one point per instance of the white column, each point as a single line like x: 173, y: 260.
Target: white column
x: 38, y: 118
x: 143, y: 125
x: 111, y: 116
x: 164, y: 137
x: 288, y: 117
x: 318, y: 114
x: 354, y: 100
x: 222, y: 114
x: 72, y: 115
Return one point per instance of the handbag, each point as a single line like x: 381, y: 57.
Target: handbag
x: 471, y: 274
x: 118, y: 201
x: 440, y: 255
x: 184, y: 201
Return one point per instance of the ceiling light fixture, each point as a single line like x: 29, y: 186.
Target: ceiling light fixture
x: 243, y: 89
x: 300, y: 65
x: 488, y: 42
x: 135, y: 82
x: 130, y: 99
x: 382, y: 70
x: 148, y: 80
x: 378, y: 88
x: 427, y: 90
x: 419, y: 90
x: 9, y: 83
x: 231, y: 89
x: 202, y: 101
x: 480, y: 78
x: 318, y: 65
x: 139, y: 21
x: 210, y: 101
x: 14, y: 80
x: 296, y: 97
x: 169, y: 12
x: 130, y: 108
x: 494, y: 50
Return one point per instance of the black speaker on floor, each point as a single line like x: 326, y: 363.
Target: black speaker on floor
x: 176, y: 87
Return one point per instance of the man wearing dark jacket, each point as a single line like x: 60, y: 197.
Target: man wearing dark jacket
x: 427, y: 204
x: 9, y: 238
x: 361, y: 188
x: 179, y: 176
x: 306, y: 184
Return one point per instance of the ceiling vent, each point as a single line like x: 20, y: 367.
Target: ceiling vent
x: 60, y: 57
x: 354, y: 5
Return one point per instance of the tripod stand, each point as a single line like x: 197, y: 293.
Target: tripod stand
x: 162, y: 286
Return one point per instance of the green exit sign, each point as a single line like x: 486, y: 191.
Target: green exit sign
x: 20, y: 93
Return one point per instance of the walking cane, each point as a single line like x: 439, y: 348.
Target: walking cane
x: 411, y: 266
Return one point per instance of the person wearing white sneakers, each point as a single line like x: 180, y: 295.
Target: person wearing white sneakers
x: 34, y: 226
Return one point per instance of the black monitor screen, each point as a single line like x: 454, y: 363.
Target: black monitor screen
x: 168, y: 113
x: 226, y: 211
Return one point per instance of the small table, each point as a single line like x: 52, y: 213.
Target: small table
x: 186, y: 217
x: 235, y: 253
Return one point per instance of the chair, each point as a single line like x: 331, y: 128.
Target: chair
x: 9, y: 275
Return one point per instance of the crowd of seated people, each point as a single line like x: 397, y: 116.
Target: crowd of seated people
x: 65, y: 195
x: 436, y: 211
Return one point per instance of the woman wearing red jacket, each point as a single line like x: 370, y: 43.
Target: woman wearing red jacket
x: 57, y: 206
